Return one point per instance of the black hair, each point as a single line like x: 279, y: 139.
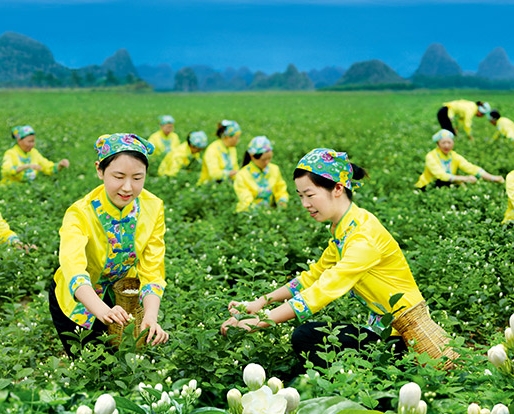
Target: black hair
x: 479, y: 103
x: 247, y: 158
x: 188, y: 141
x: 134, y: 154
x: 221, y: 129
x: 494, y: 114
x: 323, y: 182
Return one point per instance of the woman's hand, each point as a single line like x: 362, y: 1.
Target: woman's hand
x: 64, y: 163
x: 251, y: 307
x: 498, y: 179
x: 116, y: 314
x: 247, y: 324
x: 154, y: 331
x: 471, y: 179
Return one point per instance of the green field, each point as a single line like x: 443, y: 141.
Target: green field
x: 459, y: 252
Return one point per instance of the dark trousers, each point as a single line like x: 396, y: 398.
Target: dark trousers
x: 307, y: 339
x: 444, y: 121
x: 63, y: 324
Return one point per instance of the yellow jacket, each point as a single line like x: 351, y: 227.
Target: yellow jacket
x: 462, y: 112
x: 362, y: 257
x: 15, y: 156
x: 164, y: 143
x: 179, y: 158
x: 255, y: 186
x: 509, y: 185
x: 101, y: 244
x: 504, y: 128
x: 439, y: 166
x: 6, y: 234
x: 218, y: 161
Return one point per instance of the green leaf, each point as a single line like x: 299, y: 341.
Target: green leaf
x: 208, y: 410
x: 126, y: 404
x: 394, y: 299
x: 4, y: 382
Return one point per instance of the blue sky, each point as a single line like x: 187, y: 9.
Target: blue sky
x: 261, y: 34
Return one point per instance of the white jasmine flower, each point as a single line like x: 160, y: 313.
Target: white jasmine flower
x: 254, y: 376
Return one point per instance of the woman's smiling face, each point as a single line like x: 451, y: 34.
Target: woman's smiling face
x: 124, y: 179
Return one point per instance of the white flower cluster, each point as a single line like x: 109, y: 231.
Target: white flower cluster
x: 105, y: 404
x: 497, y: 409
x: 272, y: 398
x: 498, y: 354
x: 410, y: 401
x: 167, y: 403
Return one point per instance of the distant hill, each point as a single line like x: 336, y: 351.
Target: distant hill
x: 437, y: 62
x: 26, y: 62
x: 496, y: 65
x: 21, y: 57
x: 326, y: 77
x: 371, y: 72
x: 161, y: 76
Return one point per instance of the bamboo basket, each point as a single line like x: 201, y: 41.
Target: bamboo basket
x: 129, y: 302
x: 420, y: 332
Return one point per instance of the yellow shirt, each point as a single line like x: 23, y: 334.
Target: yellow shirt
x: 362, y: 257
x: 15, y: 157
x: 101, y: 244
x: 439, y: 166
x: 509, y: 185
x: 504, y: 128
x: 6, y: 234
x: 179, y: 158
x: 164, y: 143
x: 217, y: 162
x: 260, y: 187
x: 462, y: 112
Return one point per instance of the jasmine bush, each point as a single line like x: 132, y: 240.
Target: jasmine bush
x: 459, y: 252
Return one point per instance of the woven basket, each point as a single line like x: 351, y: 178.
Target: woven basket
x: 129, y: 302
x: 420, y: 332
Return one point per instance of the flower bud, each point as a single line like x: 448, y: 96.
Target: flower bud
x: 193, y: 384
x: 292, y: 397
x: 235, y: 405
x: 275, y: 384
x: 509, y: 338
x: 473, y: 409
x: 485, y: 411
x: 254, y: 376
x: 422, y: 408
x: 511, y: 321
x: 84, y: 409
x: 497, y: 355
x: 410, y: 395
x: 158, y: 387
x: 500, y: 409
x: 105, y: 404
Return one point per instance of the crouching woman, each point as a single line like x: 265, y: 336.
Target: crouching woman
x: 362, y: 258
x: 115, y: 231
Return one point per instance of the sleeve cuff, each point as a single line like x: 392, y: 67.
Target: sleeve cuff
x: 78, y: 281
x: 151, y: 289
x: 294, y: 286
x: 299, y: 307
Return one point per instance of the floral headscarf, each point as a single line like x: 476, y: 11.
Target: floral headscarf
x: 231, y: 128
x: 166, y: 119
x: 20, y: 132
x: 107, y: 145
x: 441, y: 134
x: 198, y: 139
x: 330, y: 164
x: 259, y: 145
